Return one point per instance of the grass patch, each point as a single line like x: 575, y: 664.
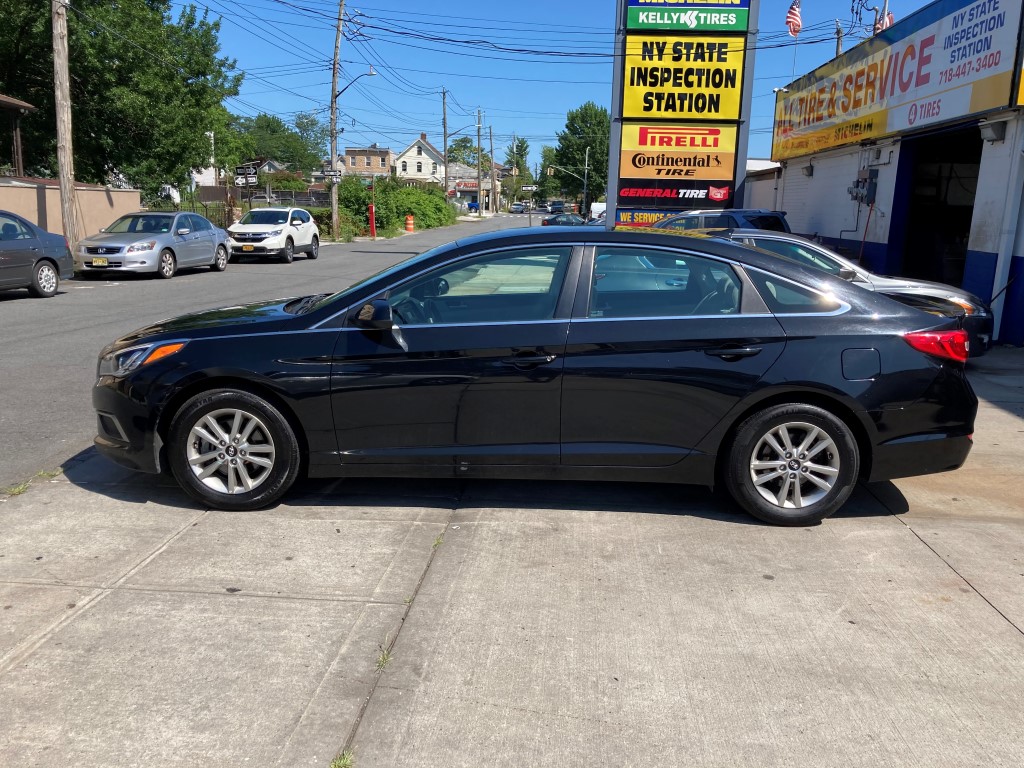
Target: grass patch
x: 49, y: 474
x: 385, y: 656
x: 439, y: 540
x: 15, y: 490
x: 345, y: 760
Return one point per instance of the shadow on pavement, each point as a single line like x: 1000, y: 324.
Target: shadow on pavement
x: 92, y: 472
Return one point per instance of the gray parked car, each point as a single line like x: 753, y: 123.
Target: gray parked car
x: 31, y: 257
x: 150, y: 241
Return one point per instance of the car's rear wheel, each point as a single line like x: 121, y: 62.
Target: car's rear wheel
x: 45, y: 281
x: 314, y: 248
x: 167, y: 265
x: 220, y: 259
x: 288, y: 254
x: 233, y: 450
x: 792, y: 464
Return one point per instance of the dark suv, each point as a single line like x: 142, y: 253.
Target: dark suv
x: 728, y: 218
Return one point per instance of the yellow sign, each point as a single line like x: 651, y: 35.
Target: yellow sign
x: 660, y: 151
x: 693, y: 77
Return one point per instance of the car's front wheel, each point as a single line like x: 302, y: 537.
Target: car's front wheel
x: 233, y: 450
x: 792, y: 464
x: 289, y: 251
x: 220, y: 259
x: 314, y: 248
x: 45, y: 281
x: 167, y: 265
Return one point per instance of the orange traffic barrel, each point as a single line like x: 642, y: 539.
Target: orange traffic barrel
x: 410, y: 224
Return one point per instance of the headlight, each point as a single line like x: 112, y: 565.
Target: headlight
x: 274, y: 233
x: 124, y: 361
x: 966, y: 306
x: 148, y: 245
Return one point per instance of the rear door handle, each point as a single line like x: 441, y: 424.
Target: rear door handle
x: 733, y: 352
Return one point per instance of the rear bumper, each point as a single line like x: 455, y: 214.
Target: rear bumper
x: 919, y: 455
x: 980, y: 330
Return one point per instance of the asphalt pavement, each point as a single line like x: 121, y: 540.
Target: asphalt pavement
x: 458, y: 623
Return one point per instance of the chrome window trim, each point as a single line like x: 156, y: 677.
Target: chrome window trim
x: 569, y: 245
x: 563, y: 321
x: 651, y: 318
x: 843, y: 306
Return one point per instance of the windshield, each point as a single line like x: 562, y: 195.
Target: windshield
x: 142, y: 223
x: 265, y: 217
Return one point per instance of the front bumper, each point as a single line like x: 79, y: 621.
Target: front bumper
x: 274, y: 247
x: 125, y: 429
x: 146, y: 261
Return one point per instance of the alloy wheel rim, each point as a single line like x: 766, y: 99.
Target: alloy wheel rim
x: 794, y: 465
x: 231, y: 451
x: 47, y: 279
x: 222, y: 258
x: 166, y: 264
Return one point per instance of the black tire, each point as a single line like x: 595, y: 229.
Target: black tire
x: 45, y: 280
x: 167, y: 265
x: 220, y: 259
x: 288, y: 254
x: 792, y: 488
x: 223, y: 487
x: 314, y: 248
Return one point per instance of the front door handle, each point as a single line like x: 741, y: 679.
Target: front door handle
x: 733, y: 353
x: 528, y: 361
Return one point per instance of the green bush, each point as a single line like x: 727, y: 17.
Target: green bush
x: 393, y: 202
x: 428, y: 207
x: 348, y: 227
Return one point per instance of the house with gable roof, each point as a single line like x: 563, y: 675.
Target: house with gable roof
x: 420, y: 161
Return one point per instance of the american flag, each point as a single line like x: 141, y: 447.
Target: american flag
x: 884, y: 22
x: 793, y: 19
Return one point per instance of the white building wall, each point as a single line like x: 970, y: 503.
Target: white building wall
x: 820, y: 204
x: 761, y: 192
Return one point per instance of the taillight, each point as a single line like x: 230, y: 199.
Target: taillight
x: 952, y: 345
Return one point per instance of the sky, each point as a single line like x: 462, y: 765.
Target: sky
x: 525, y: 64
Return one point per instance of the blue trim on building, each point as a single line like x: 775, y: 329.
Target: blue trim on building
x: 980, y: 273
x: 1011, y: 326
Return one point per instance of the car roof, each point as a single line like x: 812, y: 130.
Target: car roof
x: 759, y: 211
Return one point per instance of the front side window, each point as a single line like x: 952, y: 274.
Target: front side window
x: 799, y: 253
x: 638, y: 282
x: 509, y: 286
x: 682, y: 222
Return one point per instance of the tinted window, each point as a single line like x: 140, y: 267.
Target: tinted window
x: 683, y: 222
x: 767, y: 221
x: 799, y: 253
x: 12, y: 228
x: 511, y: 286
x: 300, y: 215
x: 635, y: 282
x: 715, y: 221
x: 199, y: 224
x: 787, y: 298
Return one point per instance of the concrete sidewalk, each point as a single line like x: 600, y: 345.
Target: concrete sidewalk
x: 541, y: 624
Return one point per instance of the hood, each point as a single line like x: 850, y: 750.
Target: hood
x: 886, y: 284
x: 261, y: 317
x: 256, y: 227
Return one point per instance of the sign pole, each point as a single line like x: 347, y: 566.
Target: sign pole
x: 615, y: 139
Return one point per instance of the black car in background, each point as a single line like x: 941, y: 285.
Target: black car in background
x: 31, y: 257
x: 564, y: 220
x: 572, y: 353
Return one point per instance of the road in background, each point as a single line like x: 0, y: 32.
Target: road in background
x: 49, y: 347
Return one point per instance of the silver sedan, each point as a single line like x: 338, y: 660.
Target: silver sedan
x: 154, y: 242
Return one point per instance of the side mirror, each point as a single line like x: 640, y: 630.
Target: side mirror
x: 376, y: 315
x: 103, y: 229
x: 184, y: 231
x: 296, y: 222
x: 845, y: 273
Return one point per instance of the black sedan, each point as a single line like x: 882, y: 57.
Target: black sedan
x: 578, y: 354
x: 31, y: 257
x: 564, y: 220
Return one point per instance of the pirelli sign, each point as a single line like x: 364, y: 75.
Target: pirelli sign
x: 679, y: 100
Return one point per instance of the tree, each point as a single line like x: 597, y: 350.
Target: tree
x: 517, y: 156
x: 550, y: 185
x: 273, y: 139
x: 463, y: 150
x: 589, y: 126
x: 145, y: 90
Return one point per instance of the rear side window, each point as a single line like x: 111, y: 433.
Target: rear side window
x: 799, y: 253
x: 767, y: 221
x: 683, y: 222
x: 787, y: 298
x: 720, y: 221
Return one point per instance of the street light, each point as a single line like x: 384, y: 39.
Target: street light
x: 335, y: 93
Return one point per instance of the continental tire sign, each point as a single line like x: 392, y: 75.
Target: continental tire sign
x: 698, y: 152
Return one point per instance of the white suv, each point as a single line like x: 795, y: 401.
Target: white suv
x: 280, y: 232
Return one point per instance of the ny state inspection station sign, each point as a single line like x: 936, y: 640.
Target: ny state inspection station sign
x: 689, y: 15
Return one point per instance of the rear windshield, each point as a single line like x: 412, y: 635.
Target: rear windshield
x: 763, y: 221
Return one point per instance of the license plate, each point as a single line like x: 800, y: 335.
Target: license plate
x: 99, y: 261
x: 246, y: 247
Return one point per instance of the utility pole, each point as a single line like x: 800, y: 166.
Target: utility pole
x: 586, y: 175
x: 479, y: 166
x: 444, y: 128
x: 62, y: 103
x: 494, y: 176
x: 334, y: 123
x: 839, y: 38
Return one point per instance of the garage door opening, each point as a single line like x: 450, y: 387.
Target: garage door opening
x: 940, y: 174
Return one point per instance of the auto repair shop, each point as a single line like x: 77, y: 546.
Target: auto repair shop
x: 908, y: 151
